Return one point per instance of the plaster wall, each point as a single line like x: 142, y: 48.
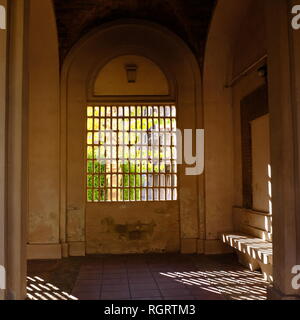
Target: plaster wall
x: 218, y: 117
x: 249, y: 46
x: 236, y: 40
x: 43, y: 162
x: 112, y: 79
x: 260, y: 130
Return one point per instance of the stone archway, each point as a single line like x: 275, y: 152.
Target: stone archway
x: 179, y: 64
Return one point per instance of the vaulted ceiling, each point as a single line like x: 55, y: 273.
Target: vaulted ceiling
x: 189, y: 19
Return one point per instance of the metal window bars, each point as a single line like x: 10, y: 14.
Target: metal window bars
x: 131, y: 153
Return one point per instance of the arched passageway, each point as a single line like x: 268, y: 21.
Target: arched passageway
x: 244, y: 82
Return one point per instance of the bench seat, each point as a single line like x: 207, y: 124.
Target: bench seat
x: 255, y: 253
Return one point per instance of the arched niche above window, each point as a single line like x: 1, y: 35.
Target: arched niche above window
x: 131, y: 75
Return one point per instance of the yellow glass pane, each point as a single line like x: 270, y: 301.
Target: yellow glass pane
x: 90, y: 152
x: 90, y: 111
x: 96, y: 138
x: 96, y: 124
x: 126, y: 111
x: 114, y: 111
x: 108, y: 111
x: 114, y: 181
x: 90, y: 125
x: 90, y: 138
x: 126, y: 124
x: 132, y: 124
x: 96, y: 112
x: 114, y: 124
x: 132, y: 111
x: 174, y: 124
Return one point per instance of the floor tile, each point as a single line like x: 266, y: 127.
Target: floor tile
x: 145, y: 293
x: 147, y: 277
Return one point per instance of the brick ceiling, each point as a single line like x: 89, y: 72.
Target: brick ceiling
x: 189, y: 19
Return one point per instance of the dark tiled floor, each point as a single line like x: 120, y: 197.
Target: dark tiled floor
x: 144, y: 277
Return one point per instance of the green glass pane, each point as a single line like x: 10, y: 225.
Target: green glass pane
x: 96, y: 195
x: 90, y: 152
x: 90, y: 167
x: 102, y: 167
x: 138, y: 180
x: 102, y: 195
x: 132, y: 167
x: 90, y: 181
x: 102, y: 181
x: 126, y: 167
x: 90, y: 195
x: 96, y: 152
x: 138, y: 167
x: 132, y: 181
x: 96, y: 167
x: 132, y: 195
x: 126, y: 180
x: 96, y: 181
x: 138, y: 195
x: 108, y: 195
x: 126, y: 195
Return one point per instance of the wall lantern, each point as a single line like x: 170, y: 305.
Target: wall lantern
x: 131, y: 70
x: 263, y: 71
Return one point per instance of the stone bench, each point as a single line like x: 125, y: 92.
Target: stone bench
x: 254, y: 253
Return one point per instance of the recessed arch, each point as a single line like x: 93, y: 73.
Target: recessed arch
x: 112, y: 78
x: 178, y: 63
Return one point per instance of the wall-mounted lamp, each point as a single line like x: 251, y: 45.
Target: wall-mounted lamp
x: 131, y: 70
x: 263, y: 71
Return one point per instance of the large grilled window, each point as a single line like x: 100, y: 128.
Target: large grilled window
x: 131, y: 153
